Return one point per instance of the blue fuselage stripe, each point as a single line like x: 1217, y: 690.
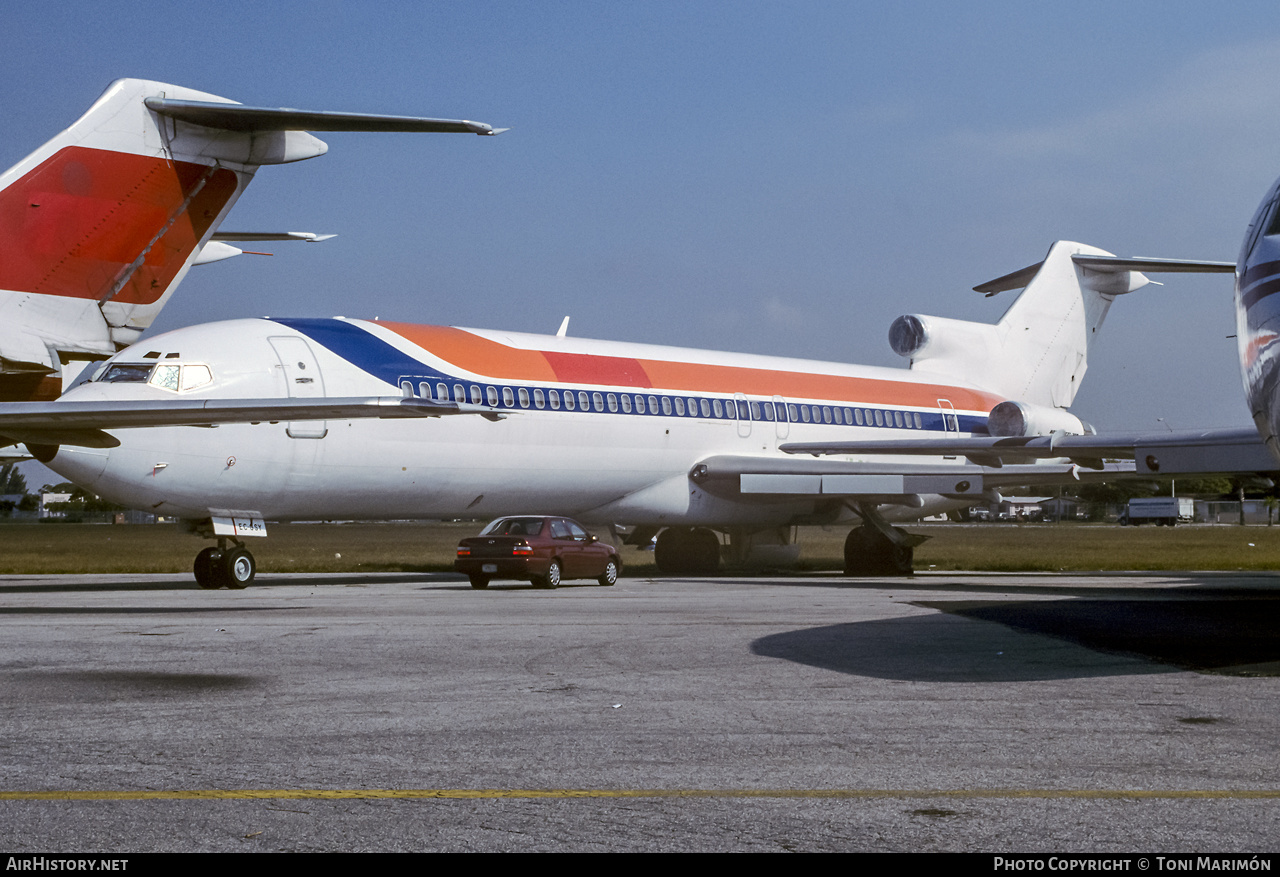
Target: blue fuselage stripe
x: 376, y: 357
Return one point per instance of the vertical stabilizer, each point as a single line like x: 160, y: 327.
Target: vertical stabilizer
x: 1039, y: 350
x: 99, y: 225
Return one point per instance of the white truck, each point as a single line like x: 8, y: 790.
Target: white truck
x: 1160, y: 510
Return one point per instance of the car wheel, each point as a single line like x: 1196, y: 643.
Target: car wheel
x: 610, y: 575
x: 551, y: 579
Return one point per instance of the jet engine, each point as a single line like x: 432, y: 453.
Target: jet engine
x: 919, y: 338
x: 1023, y: 418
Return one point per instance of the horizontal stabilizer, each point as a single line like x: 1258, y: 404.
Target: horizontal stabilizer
x: 237, y: 117
x: 218, y: 249
x: 1109, y: 265
x: 245, y: 236
x: 1016, y: 280
x: 1116, y: 264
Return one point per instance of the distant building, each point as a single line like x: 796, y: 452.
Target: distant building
x: 47, y: 498
x: 1063, y: 508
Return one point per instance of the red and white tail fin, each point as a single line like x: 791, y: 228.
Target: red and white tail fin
x: 99, y: 225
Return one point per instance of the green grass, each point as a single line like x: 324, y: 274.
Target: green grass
x: 429, y: 546
x: 1083, y: 547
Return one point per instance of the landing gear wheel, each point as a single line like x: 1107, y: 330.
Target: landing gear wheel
x: 683, y: 551
x: 238, y: 568
x: 551, y: 579
x: 206, y: 569
x: 479, y: 582
x: 610, y: 575
x: 868, y: 552
x: 707, y: 553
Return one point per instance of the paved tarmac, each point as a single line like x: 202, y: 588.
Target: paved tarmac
x: 970, y: 712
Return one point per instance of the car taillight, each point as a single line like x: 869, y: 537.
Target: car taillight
x: 522, y: 548
x: 464, y: 551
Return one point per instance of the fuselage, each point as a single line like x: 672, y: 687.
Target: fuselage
x: 599, y: 431
x: 1258, y: 317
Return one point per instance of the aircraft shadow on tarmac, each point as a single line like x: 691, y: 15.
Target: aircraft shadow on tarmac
x: 1023, y: 640
x: 94, y: 686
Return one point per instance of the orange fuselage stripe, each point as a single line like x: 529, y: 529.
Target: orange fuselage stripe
x: 504, y: 363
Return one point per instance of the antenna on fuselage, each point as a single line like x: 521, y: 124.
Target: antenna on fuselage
x: 564, y: 328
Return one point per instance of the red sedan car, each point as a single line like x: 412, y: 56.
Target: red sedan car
x: 542, y: 550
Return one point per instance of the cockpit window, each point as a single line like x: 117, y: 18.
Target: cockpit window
x: 127, y: 373
x: 196, y: 376
x: 166, y: 377
x: 1274, y: 226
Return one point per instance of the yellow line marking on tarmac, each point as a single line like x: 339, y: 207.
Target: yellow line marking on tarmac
x: 348, y: 794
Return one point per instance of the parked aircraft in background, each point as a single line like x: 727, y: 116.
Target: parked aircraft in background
x: 99, y: 225
x: 324, y: 418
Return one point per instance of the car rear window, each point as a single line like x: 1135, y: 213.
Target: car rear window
x: 513, y: 527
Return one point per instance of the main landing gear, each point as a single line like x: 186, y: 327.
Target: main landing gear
x: 868, y: 552
x: 877, y: 548
x: 227, y: 566
x: 685, y: 551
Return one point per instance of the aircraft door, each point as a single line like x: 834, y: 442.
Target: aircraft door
x: 302, y: 380
x: 744, y: 415
x: 950, y: 423
x: 782, y: 423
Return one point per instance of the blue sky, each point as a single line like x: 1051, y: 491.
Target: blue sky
x: 766, y: 177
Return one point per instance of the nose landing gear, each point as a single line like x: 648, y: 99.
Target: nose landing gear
x: 225, y: 566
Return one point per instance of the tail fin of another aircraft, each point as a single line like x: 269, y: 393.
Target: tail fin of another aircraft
x: 1038, y: 352
x: 99, y: 225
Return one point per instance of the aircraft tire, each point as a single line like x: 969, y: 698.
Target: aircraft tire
x: 479, y: 582
x: 707, y: 552
x: 904, y: 560
x: 684, y: 551
x: 206, y: 569
x: 238, y: 568
x: 669, y: 551
x: 868, y: 552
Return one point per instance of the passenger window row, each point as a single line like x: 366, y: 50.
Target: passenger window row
x: 537, y: 398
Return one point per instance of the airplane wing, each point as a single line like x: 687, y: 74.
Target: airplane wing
x: 1219, y: 451
x: 893, y: 483
x: 83, y: 423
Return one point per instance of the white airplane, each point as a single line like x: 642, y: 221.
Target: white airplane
x: 687, y: 440
x: 100, y: 224
x: 324, y: 418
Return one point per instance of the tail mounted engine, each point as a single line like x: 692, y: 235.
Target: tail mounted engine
x: 1022, y: 418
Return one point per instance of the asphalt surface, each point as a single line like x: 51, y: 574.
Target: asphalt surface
x: 1110, y: 713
